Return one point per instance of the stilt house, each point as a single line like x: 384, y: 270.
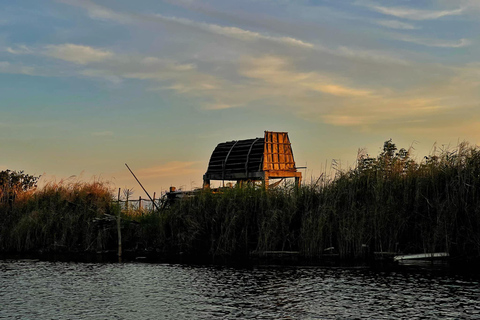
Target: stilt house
x: 259, y: 159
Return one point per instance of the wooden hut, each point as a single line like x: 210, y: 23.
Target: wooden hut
x: 259, y: 159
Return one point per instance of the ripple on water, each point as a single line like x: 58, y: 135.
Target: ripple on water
x: 62, y: 290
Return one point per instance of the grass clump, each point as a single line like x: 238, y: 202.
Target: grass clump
x: 57, y: 217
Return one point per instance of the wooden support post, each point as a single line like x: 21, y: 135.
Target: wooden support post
x: 140, y: 202
x: 298, y: 181
x: 206, y: 184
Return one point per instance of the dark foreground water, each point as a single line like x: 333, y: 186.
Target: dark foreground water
x: 67, y: 290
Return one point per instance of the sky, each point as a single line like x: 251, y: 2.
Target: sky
x: 89, y: 85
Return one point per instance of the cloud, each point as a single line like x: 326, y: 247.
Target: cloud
x: 275, y: 81
x: 338, y: 90
x: 77, y: 53
x: 378, y: 88
x: 378, y: 57
x: 238, y: 33
x: 274, y: 70
x: 180, y: 77
x: 219, y: 106
x: 256, y: 39
x: 345, y: 120
x: 386, y: 111
x: 96, y: 11
x: 449, y: 102
x: 93, y: 73
x: 415, y: 14
x: 20, y: 49
x: 173, y: 168
x: 470, y: 6
x: 4, y: 65
x: 99, y: 12
x: 341, y: 102
x: 435, y: 42
x: 7, y: 67
x: 395, y: 24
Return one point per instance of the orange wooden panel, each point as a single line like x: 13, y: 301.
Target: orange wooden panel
x: 278, y: 155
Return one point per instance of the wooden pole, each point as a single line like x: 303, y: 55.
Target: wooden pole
x: 154, y: 194
x: 119, y: 229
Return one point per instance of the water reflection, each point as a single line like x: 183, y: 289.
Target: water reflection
x: 63, y: 290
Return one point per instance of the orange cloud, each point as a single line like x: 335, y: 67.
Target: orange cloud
x: 173, y: 168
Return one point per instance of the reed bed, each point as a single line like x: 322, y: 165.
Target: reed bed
x: 58, y: 217
x: 387, y: 203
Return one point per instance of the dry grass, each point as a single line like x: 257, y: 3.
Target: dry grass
x: 55, y: 217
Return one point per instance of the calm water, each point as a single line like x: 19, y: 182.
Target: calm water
x: 67, y: 290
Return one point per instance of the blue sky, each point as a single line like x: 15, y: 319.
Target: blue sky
x: 87, y: 86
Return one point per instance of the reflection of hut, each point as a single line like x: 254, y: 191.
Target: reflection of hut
x: 259, y: 159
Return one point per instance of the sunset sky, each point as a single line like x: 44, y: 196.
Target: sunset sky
x: 87, y: 86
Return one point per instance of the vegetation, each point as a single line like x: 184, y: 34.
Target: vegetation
x: 388, y: 203
x: 59, y: 217
x: 13, y: 182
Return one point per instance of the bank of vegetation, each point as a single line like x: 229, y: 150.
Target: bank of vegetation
x: 387, y: 203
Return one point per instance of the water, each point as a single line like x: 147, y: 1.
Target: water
x: 68, y: 290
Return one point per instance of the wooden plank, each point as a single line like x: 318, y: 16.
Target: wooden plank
x: 276, y: 159
x: 284, y: 174
x: 281, y: 151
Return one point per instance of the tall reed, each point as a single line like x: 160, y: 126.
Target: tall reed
x: 58, y: 217
x: 387, y: 203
